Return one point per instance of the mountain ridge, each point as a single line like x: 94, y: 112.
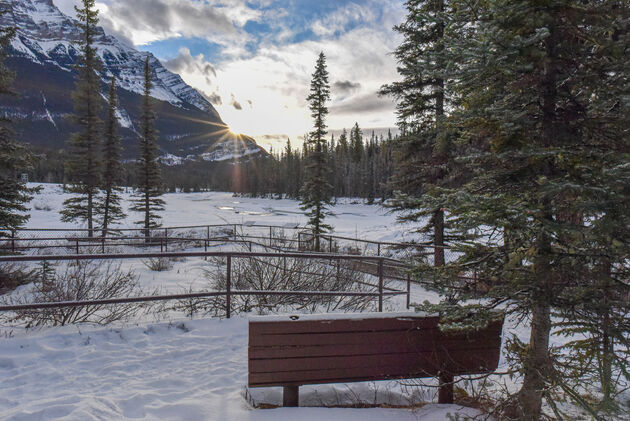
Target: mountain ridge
x: 43, y: 55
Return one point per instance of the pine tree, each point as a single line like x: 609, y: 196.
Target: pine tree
x: 316, y: 191
x: 84, y: 147
x: 424, y: 151
x: 147, y: 199
x: 15, y: 158
x: 110, y: 208
x: 544, y: 110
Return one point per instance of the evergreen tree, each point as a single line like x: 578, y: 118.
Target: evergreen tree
x: 316, y: 191
x: 424, y: 152
x: 84, y: 147
x: 111, y: 210
x: 544, y: 110
x: 356, y: 143
x: 147, y: 199
x: 14, y: 157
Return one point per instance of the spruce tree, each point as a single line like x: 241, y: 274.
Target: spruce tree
x: 110, y: 208
x: 543, y: 118
x: 316, y: 191
x: 424, y: 150
x: 15, y: 158
x: 147, y: 198
x: 83, y: 164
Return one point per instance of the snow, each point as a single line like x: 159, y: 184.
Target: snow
x: 352, y: 217
x: 197, y: 369
x: 221, y: 155
x: 182, y: 369
x: 170, y: 159
x: 123, y: 119
x: 185, y: 370
x: 337, y: 316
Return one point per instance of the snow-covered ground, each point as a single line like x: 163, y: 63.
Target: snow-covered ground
x: 351, y: 218
x: 186, y: 370
x: 181, y: 369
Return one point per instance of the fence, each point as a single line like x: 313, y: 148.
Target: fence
x: 381, y: 291
x: 198, y: 236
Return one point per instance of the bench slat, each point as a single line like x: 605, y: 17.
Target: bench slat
x: 351, y: 338
x: 462, y: 360
x: 424, y: 365
x: 287, y: 351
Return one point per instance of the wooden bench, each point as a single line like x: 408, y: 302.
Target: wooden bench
x: 291, y: 351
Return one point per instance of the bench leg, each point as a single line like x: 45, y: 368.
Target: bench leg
x: 445, y: 393
x: 291, y: 396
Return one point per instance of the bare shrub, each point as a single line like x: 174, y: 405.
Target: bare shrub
x: 289, y: 274
x: 159, y: 264
x: 12, y: 275
x: 79, y: 281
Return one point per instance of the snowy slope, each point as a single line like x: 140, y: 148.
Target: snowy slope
x: 45, y: 35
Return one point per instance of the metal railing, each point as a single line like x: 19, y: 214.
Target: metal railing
x: 380, y: 293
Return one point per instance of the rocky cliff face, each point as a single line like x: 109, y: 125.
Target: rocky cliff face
x: 43, y: 56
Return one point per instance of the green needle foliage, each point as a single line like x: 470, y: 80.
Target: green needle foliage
x: 15, y: 158
x: 147, y: 199
x: 540, y: 104
x: 110, y: 208
x: 425, y: 147
x: 317, y: 191
x: 83, y: 165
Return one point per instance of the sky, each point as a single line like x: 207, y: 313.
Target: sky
x: 253, y: 59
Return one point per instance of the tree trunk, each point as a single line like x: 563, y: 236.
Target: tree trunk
x: 438, y: 238
x: 536, y: 362
x: 90, y: 204
x: 106, y: 212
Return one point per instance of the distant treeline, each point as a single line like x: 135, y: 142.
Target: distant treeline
x: 359, y: 167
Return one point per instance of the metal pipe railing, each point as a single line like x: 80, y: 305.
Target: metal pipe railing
x: 228, y: 293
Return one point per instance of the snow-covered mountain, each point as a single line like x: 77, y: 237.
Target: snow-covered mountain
x: 43, y: 55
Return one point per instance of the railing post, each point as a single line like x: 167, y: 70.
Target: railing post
x: 299, y: 241
x: 165, y: 239
x: 77, y: 240
x: 378, y: 249
x: 270, y: 235
x: 408, y: 290
x: 103, y: 244
x: 13, y: 241
x: 208, y: 232
x: 380, y: 285
x: 330, y: 243
x: 228, y: 287
x: 234, y: 232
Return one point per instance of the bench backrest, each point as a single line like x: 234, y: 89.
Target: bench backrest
x: 337, y: 350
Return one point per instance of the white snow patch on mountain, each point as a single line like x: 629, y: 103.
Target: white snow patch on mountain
x: 45, y: 34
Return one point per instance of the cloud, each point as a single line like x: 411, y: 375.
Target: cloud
x: 367, y: 103
x: 337, y: 21
x: 146, y: 21
x: 213, y: 97
x: 345, y: 86
x: 234, y: 103
x: 186, y: 62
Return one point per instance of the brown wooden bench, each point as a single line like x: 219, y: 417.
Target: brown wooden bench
x: 291, y: 351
